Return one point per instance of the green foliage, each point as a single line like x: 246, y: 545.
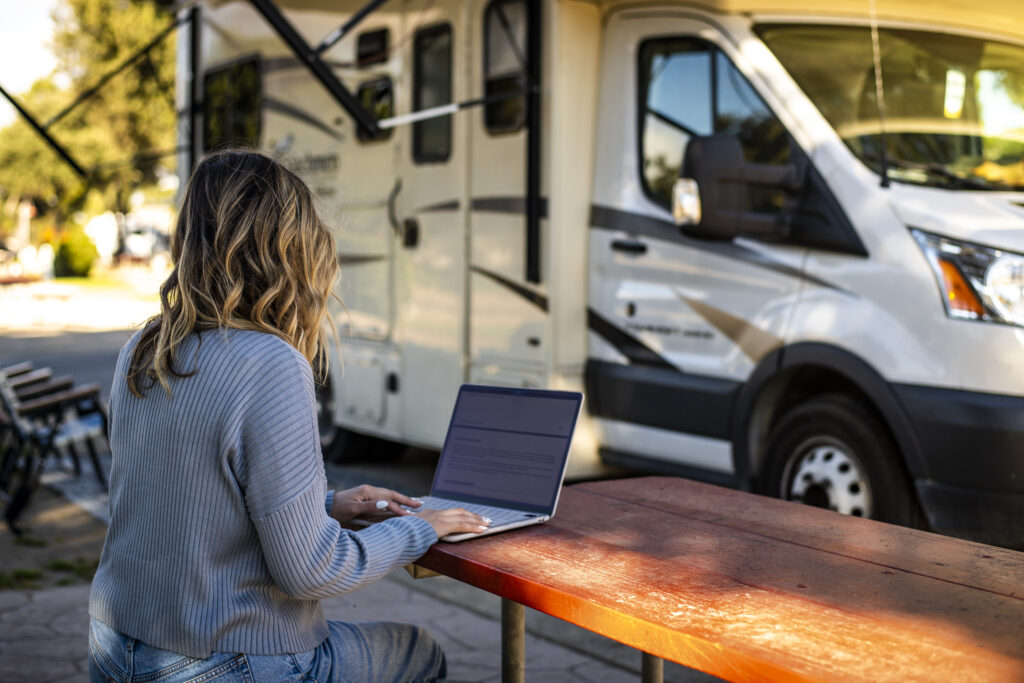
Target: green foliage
x: 75, y: 255
x: 132, y: 114
x: 80, y: 567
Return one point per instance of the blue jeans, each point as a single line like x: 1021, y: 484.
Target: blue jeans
x: 373, y: 651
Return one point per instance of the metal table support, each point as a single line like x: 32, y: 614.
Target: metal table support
x: 513, y: 642
x: 652, y: 669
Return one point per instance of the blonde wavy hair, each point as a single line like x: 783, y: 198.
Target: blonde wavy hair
x: 250, y: 253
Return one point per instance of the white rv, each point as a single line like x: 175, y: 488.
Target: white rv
x: 778, y: 243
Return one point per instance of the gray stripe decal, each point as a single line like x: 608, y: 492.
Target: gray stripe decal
x: 296, y: 113
x: 656, y: 228
x: 506, y: 205
x: 536, y: 298
x: 451, y: 205
x: 354, y: 260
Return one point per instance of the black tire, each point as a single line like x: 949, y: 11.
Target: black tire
x: 340, y: 445
x: 329, y: 432
x: 832, y: 452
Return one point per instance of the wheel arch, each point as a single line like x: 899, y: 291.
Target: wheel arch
x: 794, y: 373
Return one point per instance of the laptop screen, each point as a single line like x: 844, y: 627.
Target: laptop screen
x: 507, y: 447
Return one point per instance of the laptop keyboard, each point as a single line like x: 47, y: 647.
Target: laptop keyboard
x: 498, y: 516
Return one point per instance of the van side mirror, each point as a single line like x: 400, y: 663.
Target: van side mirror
x: 712, y: 196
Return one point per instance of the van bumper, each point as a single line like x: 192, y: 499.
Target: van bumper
x: 972, y: 456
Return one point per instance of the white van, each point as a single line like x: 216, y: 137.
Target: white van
x: 779, y: 245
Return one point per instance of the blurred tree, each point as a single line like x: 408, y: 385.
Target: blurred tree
x: 131, y: 116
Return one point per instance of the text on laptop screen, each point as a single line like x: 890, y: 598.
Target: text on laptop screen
x: 507, y: 447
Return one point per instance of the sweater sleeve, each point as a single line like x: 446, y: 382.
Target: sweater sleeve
x: 307, y: 552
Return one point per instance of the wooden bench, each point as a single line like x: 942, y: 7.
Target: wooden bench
x: 39, y: 415
x: 749, y: 588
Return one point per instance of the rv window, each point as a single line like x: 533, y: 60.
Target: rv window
x: 372, y: 48
x: 432, y: 87
x: 378, y: 98
x: 505, y: 65
x: 677, y: 101
x: 232, y: 105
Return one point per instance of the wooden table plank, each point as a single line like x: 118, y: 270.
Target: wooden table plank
x: 749, y: 588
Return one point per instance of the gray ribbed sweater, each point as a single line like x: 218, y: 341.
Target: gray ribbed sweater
x: 219, y: 540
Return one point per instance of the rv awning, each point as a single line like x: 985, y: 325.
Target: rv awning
x: 997, y: 16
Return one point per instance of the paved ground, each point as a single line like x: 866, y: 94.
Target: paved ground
x: 42, y: 635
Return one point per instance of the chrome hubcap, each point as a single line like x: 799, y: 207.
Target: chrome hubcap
x: 826, y: 474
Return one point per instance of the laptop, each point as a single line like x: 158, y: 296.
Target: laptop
x: 505, y: 455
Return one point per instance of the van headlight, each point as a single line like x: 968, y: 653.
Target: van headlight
x: 977, y: 282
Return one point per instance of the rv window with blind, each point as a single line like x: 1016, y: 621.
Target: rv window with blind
x: 689, y: 87
x: 377, y: 97
x: 505, y: 65
x: 432, y: 87
x: 232, y: 105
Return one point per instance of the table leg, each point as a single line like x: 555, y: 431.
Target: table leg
x: 513, y: 642
x: 652, y: 669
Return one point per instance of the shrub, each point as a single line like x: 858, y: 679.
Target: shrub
x: 75, y: 255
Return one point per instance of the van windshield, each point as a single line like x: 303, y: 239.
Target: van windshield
x: 953, y: 105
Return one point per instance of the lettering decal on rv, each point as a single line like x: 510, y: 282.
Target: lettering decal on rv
x: 312, y: 164
x: 607, y: 218
x: 669, y: 330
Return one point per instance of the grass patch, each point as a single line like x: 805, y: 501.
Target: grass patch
x: 20, y: 578
x: 30, y: 541
x: 79, y: 567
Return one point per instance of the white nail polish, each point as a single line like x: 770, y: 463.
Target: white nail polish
x: 382, y: 504
x: 487, y: 519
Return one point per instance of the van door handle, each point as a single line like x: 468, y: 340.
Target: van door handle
x: 629, y: 246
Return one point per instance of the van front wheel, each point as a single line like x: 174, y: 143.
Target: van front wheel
x: 830, y: 452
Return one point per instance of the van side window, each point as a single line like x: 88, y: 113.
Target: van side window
x: 232, y: 105
x: 432, y: 87
x: 505, y: 65
x: 675, y: 101
x: 377, y: 96
x: 689, y: 87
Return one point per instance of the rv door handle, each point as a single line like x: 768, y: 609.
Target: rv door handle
x: 629, y: 246
x: 392, y: 215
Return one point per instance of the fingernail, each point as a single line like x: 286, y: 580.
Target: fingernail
x: 487, y: 519
x: 481, y: 528
x: 381, y: 504
x: 418, y: 500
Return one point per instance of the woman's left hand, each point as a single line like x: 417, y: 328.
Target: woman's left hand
x: 363, y: 500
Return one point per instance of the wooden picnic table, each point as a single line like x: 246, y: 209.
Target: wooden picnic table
x: 749, y: 588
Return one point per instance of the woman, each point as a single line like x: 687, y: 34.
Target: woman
x: 223, y: 538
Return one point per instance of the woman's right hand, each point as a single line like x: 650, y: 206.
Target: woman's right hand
x: 454, y: 521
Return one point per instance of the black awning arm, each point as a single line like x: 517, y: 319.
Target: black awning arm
x: 139, y: 54
x: 308, y: 56
x: 57, y: 147
x: 341, y: 32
